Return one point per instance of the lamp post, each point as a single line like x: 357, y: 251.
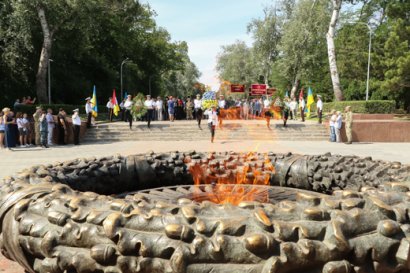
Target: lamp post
x: 122, y: 64
x: 368, y: 60
x: 49, y: 80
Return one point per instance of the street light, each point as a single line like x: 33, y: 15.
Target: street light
x: 149, y: 84
x: 122, y: 64
x: 368, y: 61
x: 49, y: 80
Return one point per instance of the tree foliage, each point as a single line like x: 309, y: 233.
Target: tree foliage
x: 90, y: 39
x: 301, y: 53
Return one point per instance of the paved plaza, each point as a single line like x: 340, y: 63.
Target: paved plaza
x: 18, y: 159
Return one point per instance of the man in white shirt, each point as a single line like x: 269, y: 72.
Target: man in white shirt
x: 150, y: 105
x: 128, y: 107
x: 110, y: 108
x: 212, y: 120
x: 221, y: 107
x: 51, y: 125
x: 88, y: 111
x: 293, y: 105
x: 319, y: 106
x: 158, y: 107
x: 198, y: 110
x: 76, y: 126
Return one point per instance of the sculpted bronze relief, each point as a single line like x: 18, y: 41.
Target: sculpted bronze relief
x: 179, y: 212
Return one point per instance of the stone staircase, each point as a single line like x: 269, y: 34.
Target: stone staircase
x: 189, y: 131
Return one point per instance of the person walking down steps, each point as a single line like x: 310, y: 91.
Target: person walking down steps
x: 212, y: 121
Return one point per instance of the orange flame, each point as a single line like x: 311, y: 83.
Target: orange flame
x: 230, y: 179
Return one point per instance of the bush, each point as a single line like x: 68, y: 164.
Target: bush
x: 30, y: 109
x: 362, y: 107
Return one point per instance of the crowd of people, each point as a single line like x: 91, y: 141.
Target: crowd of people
x: 23, y: 130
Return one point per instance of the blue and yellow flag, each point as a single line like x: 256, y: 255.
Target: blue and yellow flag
x: 310, y: 101
x: 94, y: 103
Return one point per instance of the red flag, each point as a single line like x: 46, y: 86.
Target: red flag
x: 301, y: 94
x: 114, y: 102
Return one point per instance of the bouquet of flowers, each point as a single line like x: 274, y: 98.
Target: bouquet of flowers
x: 209, y: 100
x: 138, y: 109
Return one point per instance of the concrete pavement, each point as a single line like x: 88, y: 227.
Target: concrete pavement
x: 18, y: 159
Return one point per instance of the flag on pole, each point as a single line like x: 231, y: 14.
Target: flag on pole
x: 94, y: 103
x: 310, y: 101
x: 114, y: 102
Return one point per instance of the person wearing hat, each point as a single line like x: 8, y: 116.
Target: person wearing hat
x: 43, y: 129
x: 212, y: 120
x: 110, y: 108
x: 88, y: 111
x: 319, y: 107
x: 36, y: 117
x: 198, y: 110
x: 76, y: 126
x: 149, y: 104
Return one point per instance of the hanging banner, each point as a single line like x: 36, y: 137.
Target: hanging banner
x: 258, y: 89
x: 271, y: 91
x: 237, y: 88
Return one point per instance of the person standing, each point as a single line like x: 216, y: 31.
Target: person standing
x: 10, y: 123
x: 36, y: 117
x: 221, y: 108
x: 171, y: 108
x: 110, y: 108
x: 338, y: 125
x: 319, y: 106
x: 348, y: 124
x: 62, y: 127
x: 286, y: 111
x: 76, y: 126
x: 293, y: 106
x: 198, y: 110
x: 43, y: 129
x: 22, y: 126
x: 128, y: 107
x: 212, y: 121
x: 122, y: 110
x: 245, y: 109
x: 332, y: 125
x: 2, y: 129
x: 158, y: 107
x: 188, y: 109
x: 149, y: 104
x: 302, y: 106
x: 51, y: 125
x: 266, y: 104
x: 88, y: 111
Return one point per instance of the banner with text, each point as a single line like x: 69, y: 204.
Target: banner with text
x: 237, y: 88
x: 258, y: 89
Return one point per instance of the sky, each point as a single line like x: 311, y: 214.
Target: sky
x: 206, y: 26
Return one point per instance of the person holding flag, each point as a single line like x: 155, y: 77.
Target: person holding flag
x: 110, y: 108
x: 302, y: 105
x: 114, y: 104
x: 319, y: 106
x: 88, y: 111
x: 310, y: 101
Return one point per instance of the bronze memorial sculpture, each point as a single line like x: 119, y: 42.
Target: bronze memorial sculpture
x: 216, y: 212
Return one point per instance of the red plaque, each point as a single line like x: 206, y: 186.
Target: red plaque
x: 258, y: 89
x: 237, y: 88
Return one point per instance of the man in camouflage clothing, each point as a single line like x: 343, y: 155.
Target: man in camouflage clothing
x: 36, y: 118
x: 348, y: 124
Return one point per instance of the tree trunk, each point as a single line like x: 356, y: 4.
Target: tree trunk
x: 294, y: 88
x: 337, y: 4
x: 41, y: 77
